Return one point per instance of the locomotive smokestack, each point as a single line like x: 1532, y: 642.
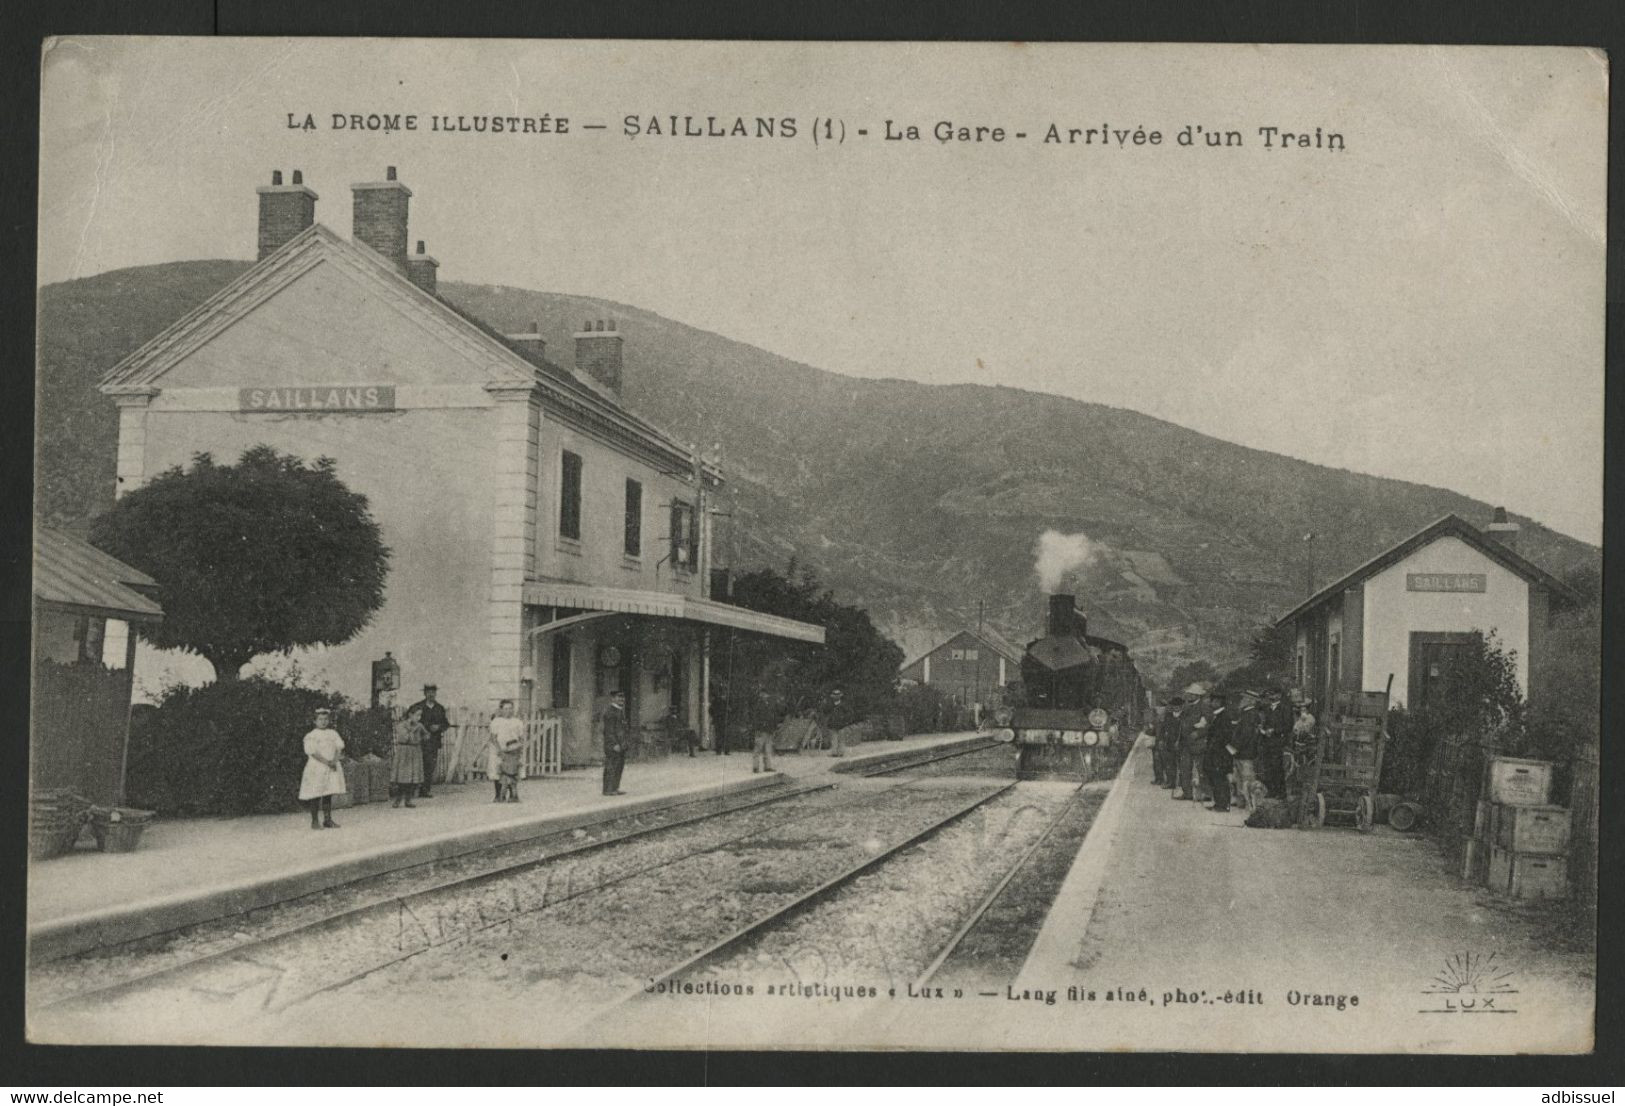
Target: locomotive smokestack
x: 1063, y: 620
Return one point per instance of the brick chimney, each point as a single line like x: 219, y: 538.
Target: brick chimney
x: 598, y: 353
x: 421, y: 269
x: 286, y: 211
x: 380, y: 216
x: 1503, y: 530
x: 531, y: 341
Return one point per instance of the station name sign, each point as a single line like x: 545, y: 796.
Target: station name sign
x: 320, y: 398
x: 1445, y: 581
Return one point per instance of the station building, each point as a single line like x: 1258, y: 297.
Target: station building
x: 548, y: 545
x: 1406, y: 611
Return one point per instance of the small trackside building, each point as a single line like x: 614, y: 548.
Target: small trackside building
x: 548, y: 544
x: 81, y: 708
x: 973, y: 666
x: 1406, y: 610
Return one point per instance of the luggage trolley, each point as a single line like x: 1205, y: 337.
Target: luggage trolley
x: 1342, y: 780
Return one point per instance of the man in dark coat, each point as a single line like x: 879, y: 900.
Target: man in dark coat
x: 1187, y: 762
x: 613, y: 727
x: 432, y: 716
x: 1245, y: 741
x: 1274, y: 732
x: 1218, y: 756
x: 1165, y: 758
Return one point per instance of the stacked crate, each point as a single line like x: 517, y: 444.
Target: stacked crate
x: 1520, y: 841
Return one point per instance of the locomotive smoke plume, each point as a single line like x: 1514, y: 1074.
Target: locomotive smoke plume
x: 1059, y: 554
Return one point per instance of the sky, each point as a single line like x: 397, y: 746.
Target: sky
x: 1425, y: 303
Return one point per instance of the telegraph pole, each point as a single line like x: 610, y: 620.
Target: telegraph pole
x: 1309, y: 564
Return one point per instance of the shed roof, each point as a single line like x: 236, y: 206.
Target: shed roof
x: 1449, y: 526
x: 71, y: 573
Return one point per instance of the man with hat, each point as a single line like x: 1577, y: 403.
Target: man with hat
x: 1244, y: 743
x: 1188, y: 754
x: 1274, y: 730
x: 432, y: 717
x: 1217, y: 755
x: 1165, y: 754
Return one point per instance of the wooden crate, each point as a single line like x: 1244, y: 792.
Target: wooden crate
x: 1527, y: 875
x: 1484, y: 820
x: 1532, y: 829
x: 1518, y: 782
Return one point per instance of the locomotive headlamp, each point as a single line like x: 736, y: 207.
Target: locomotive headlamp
x: 1091, y: 738
x: 1098, y: 718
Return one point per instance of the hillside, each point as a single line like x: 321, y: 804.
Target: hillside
x: 918, y: 501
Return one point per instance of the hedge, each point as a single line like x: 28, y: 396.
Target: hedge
x: 236, y: 747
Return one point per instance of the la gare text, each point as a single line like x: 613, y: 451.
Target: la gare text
x: 941, y: 132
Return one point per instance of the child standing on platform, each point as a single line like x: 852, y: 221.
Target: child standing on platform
x: 324, y: 774
x: 506, y: 745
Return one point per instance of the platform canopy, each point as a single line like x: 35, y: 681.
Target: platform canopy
x: 662, y: 604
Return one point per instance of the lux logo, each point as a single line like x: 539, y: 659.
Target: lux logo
x: 1471, y: 984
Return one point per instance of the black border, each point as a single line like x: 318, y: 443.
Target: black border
x: 1502, y: 22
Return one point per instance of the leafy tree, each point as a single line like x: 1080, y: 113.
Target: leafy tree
x: 264, y: 556
x: 1269, y: 661
x: 793, y: 676
x: 1192, y: 672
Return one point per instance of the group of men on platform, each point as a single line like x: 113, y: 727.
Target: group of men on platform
x: 1214, y: 748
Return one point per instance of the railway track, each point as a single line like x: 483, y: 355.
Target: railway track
x: 800, y: 905
x: 970, y: 956
x: 103, y: 990
x: 930, y: 757
x: 256, y: 971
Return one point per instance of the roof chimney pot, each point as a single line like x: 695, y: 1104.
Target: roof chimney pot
x: 286, y: 211
x: 1503, y: 530
x: 380, y: 215
x: 598, y: 354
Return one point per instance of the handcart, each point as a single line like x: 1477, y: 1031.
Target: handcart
x: 1342, y: 780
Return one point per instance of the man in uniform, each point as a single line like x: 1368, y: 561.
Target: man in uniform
x: 1165, y: 757
x: 1244, y: 743
x: 1274, y: 731
x: 612, y: 727
x: 432, y: 716
x: 1218, y: 755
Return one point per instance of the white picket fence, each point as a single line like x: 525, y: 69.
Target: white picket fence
x: 463, y: 752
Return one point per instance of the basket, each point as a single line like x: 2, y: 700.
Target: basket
x: 118, y: 829
x: 57, y: 815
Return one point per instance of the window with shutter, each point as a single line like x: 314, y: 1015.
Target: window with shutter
x: 682, y: 535
x: 634, y: 519
x: 570, y: 497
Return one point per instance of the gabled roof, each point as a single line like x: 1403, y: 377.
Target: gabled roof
x: 987, y: 635
x: 506, y: 365
x: 1453, y: 526
x: 74, y: 575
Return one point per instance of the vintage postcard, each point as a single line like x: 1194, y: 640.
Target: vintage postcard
x: 817, y: 546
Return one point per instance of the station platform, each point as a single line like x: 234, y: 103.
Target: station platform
x: 193, y: 870
x: 1313, y: 941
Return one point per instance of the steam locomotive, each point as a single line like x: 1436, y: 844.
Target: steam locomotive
x: 1084, y: 699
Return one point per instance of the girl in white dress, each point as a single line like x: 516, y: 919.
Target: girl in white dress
x: 324, y: 774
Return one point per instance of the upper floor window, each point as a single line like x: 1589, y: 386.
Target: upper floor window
x: 570, y: 497
x: 634, y: 519
x: 684, y: 544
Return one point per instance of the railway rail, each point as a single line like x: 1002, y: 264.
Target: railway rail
x: 101, y: 990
